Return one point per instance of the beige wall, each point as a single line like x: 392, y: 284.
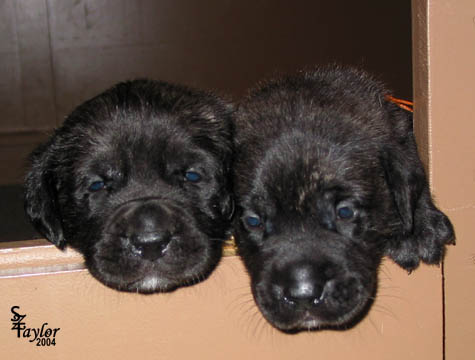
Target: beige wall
x: 216, y: 319
x: 444, y: 85
x: 450, y: 59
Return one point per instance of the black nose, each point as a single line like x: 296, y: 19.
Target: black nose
x: 147, y: 226
x: 150, y: 246
x: 302, y: 286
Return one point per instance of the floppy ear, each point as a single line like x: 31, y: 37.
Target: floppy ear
x: 41, y: 200
x: 424, y: 230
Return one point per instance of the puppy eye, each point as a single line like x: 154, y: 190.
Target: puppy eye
x: 345, y: 212
x: 97, y: 185
x: 253, y: 221
x: 192, y: 176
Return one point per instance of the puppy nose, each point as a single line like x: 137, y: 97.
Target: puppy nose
x: 150, y: 228
x: 150, y: 246
x: 147, y: 226
x: 302, y: 287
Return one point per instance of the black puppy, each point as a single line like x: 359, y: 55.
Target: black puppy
x: 328, y: 181
x: 138, y: 180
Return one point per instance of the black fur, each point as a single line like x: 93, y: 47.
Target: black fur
x: 330, y: 170
x: 138, y: 180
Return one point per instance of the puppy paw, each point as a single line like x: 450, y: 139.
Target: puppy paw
x: 434, y: 232
x: 405, y: 254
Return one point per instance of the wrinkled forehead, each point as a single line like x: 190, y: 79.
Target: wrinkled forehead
x: 136, y: 130
x: 292, y: 174
x: 141, y: 144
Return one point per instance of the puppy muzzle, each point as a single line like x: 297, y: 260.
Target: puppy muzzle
x: 308, y: 294
x: 145, y: 227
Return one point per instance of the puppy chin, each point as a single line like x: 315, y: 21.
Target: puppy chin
x: 150, y: 282
x: 291, y: 319
x: 307, y: 321
x: 156, y: 283
x: 310, y: 322
x: 131, y: 273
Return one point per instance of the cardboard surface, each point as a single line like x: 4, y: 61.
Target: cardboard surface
x: 213, y: 320
x: 444, y: 61
x: 453, y: 133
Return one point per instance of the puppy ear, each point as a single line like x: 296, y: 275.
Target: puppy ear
x: 41, y: 200
x: 424, y: 229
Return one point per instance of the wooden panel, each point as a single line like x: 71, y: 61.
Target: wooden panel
x: 223, y: 45
x: 35, y: 62
x: 94, y: 24
x: 10, y: 89
x: 26, y: 89
x: 14, y: 150
x: 54, y: 54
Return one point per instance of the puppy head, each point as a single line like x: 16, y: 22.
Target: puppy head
x: 327, y: 182
x: 137, y: 180
x: 310, y: 233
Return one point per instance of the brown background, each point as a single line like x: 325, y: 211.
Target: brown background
x: 54, y: 54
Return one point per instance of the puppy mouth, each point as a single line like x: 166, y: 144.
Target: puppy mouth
x: 127, y: 269
x: 153, y: 283
x: 340, y: 306
x: 151, y: 245
x: 309, y: 321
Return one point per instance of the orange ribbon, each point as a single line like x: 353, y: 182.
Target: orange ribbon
x: 403, y: 104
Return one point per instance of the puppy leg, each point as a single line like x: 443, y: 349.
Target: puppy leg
x: 425, y: 230
x: 431, y: 232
